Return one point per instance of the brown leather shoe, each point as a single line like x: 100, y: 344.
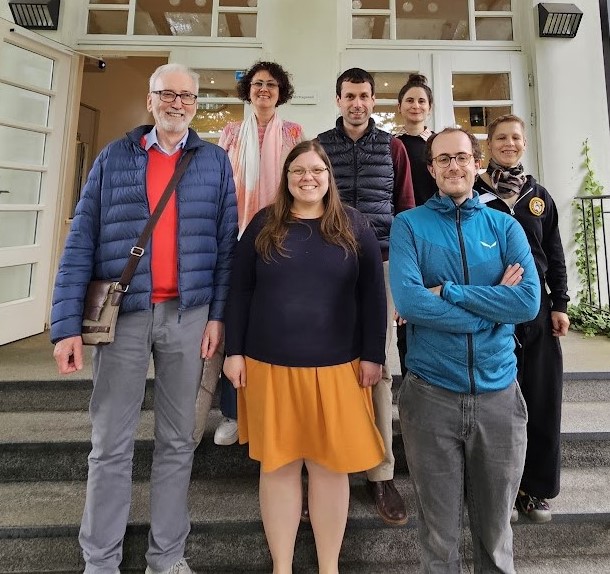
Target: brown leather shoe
x: 305, y: 505
x: 388, y: 502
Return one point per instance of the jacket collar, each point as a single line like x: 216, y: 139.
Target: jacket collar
x: 192, y: 141
x: 446, y: 205
x: 341, y: 129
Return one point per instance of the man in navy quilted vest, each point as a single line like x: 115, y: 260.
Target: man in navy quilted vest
x: 173, y: 310
x: 373, y: 175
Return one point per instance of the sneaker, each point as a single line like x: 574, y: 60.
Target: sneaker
x: 536, y: 509
x: 226, y: 432
x: 180, y: 567
x: 514, y: 515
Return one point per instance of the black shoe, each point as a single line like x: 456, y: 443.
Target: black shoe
x: 388, y: 502
x: 536, y: 509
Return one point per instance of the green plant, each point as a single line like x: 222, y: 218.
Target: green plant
x: 587, y: 316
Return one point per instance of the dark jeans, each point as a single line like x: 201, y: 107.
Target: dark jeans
x: 228, y: 398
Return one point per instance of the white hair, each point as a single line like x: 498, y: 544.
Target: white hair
x: 169, y: 68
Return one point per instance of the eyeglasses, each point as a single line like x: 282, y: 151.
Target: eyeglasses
x: 301, y: 171
x: 259, y: 85
x: 169, y: 97
x: 444, y: 159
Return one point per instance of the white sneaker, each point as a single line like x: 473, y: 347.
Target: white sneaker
x: 180, y: 567
x: 226, y: 432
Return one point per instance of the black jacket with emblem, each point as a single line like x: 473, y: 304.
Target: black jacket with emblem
x: 536, y: 211
x: 364, y: 173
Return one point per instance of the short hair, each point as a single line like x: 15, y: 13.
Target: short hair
x: 506, y: 118
x: 416, y: 81
x: 171, y: 68
x: 281, y: 76
x: 476, y: 146
x: 355, y: 76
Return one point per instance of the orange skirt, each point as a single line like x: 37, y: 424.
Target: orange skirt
x: 316, y: 413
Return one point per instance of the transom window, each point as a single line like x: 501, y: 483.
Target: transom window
x: 432, y: 20
x: 208, y: 18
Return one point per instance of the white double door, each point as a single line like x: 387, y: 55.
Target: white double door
x: 34, y: 91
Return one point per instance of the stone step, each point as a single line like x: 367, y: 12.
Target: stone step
x: 39, y: 527
x: 54, y: 445
x: 74, y: 394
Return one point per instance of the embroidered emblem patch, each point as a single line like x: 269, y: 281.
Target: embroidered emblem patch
x: 537, y: 206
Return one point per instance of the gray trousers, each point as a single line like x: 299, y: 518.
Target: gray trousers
x: 457, y: 446
x: 119, y: 376
x: 382, y: 396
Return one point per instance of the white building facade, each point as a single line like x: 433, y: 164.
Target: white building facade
x: 483, y: 58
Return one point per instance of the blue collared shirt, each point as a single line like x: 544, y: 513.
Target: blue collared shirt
x: 151, y: 140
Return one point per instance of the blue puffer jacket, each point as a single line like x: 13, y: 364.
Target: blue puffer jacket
x: 112, y: 213
x: 463, y: 340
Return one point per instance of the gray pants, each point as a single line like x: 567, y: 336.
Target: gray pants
x: 119, y: 377
x: 455, y: 444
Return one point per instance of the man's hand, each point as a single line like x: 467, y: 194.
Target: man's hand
x: 436, y: 290
x: 68, y: 355
x: 235, y: 369
x: 561, y: 322
x: 212, y: 336
x: 370, y: 374
x: 512, y: 276
x: 399, y: 320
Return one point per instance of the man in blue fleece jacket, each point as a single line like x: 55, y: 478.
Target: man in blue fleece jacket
x: 462, y: 276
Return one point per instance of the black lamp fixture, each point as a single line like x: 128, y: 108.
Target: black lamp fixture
x: 558, y: 20
x: 35, y: 14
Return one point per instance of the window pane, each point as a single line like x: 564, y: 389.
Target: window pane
x: 18, y: 186
x: 16, y: 282
x: 388, y: 84
x: 214, y: 117
x: 494, y: 28
x: 31, y: 69
x: 107, y: 22
x: 18, y: 228
x: 233, y: 25
x: 476, y: 119
x: 432, y: 20
x: 481, y: 87
x: 217, y: 83
x: 21, y: 146
x: 386, y: 118
x: 28, y: 106
x: 175, y: 24
x: 239, y: 3
x: 492, y: 5
x: 370, y: 27
x: 371, y: 4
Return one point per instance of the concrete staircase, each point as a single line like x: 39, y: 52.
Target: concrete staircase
x: 44, y: 442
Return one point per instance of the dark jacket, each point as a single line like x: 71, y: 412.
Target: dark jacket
x: 112, y: 213
x: 364, y: 173
x: 536, y: 211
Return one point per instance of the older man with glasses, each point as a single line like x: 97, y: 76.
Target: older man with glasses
x: 173, y: 309
x: 462, y: 275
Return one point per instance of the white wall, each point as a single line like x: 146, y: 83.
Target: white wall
x: 571, y: 107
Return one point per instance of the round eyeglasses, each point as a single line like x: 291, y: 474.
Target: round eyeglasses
x: 444, y: 159
x: 169, y: 97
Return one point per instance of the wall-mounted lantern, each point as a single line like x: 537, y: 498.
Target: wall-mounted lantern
x: 35, y: 14
x: 558, y: 20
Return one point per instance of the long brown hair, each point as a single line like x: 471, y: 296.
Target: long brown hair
x: 335, y: 226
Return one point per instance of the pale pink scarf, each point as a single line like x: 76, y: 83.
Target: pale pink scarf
x: 256, y: 170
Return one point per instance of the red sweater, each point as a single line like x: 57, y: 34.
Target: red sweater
x: 164, y: 254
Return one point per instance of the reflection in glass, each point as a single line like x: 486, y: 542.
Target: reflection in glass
x: 107, y: 22
x: 18, y: 228
x: 475, y: 119
x: 31, y: 69
x: 492, y: 5
x: 432, y: 20
x: 494, y: 28
x: 233, y: 25
x: 370, y: 27
x: 387, y: 118
x: 28, y: 106
x: 15, y: 282
x: 212, y: 121
x: 21, y: 146
x: 22, y: 187
x: 481, y: 87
